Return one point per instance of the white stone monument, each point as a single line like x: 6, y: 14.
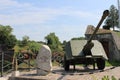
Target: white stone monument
x: 43, y: 61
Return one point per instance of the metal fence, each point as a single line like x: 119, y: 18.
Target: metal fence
x: 8, y: 62
x: 5, y: 63
x: 29, y: 62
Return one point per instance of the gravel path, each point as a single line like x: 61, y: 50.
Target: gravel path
x: 80, y: 73
x: 89, y: 74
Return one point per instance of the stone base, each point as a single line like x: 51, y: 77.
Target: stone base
x: 15, y: 73
x: 42, y: 72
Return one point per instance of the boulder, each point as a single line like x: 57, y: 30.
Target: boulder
x: 43, y: 61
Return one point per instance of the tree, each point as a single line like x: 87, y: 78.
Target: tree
x: 27, y: 48
x: 25, y: 40
x: 6, y: 37
x: 53, y: 42
x: 26, y: 44
x: 34, y: 46
x: 79, y: 38
x: 112, y: 20
x: 56, y: 47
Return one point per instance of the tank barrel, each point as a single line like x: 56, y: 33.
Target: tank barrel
x: 89, y: 44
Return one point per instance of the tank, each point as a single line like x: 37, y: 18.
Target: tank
x: 86, y: 51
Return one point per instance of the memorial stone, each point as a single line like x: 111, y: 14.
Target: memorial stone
x: 43, y: 61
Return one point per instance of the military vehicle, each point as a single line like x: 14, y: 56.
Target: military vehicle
x: 86, y: 51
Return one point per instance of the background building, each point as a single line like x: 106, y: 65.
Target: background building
x: 109, y: 39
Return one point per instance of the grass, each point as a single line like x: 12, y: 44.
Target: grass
x: 107, y: 64
x: 114, y: 63
x: 109, y: 78
x: 118, y: 33
x: 55, y: 63
x: 25, y: 64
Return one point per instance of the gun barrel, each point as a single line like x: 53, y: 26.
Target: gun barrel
x: 105, y: 14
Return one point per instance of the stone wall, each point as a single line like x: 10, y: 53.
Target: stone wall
x: 116, y: 41
x: 114, y: 52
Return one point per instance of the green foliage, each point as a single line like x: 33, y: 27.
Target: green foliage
x: 107, y: 63
x: 112, y: 20
x: 118, y: 33
x: 107, y: 78
x: 6, y: 37
x: 27, y: 46
x: 53, y: 42
x: 34, y: 46
x: 26, y: 65
x: 113, y: 78
x: 24, y: 42
x: 79, y: 38
x: 56, y: 47
x: 115, y: 63
x: 112, y: 63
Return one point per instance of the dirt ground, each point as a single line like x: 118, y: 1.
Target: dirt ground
x: 80, y: 73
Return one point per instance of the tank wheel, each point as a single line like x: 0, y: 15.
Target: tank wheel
x: 66, y: 64
x: 100, y: 63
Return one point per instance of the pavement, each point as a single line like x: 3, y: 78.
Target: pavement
x: 80, y: 73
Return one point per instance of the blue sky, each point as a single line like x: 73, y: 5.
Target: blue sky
x: 38, y: 18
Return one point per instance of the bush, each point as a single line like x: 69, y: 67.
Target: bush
x: 108, y: 78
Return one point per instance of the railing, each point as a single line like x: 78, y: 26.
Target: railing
x: 26, y: 61
x: 5, y: 65
x: 18, y: 60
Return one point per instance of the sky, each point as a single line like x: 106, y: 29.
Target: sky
x: 38, y: 18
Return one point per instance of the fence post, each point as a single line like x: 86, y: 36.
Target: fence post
x: 15, y: 64
x: 1, y: 63
x: 29, y: 61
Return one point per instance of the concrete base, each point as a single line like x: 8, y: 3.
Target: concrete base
x: 15, y: 73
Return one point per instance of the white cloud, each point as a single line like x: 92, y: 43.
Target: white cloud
x: 8, y: 4
x: 25, y: 13
x: 40, y: 16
